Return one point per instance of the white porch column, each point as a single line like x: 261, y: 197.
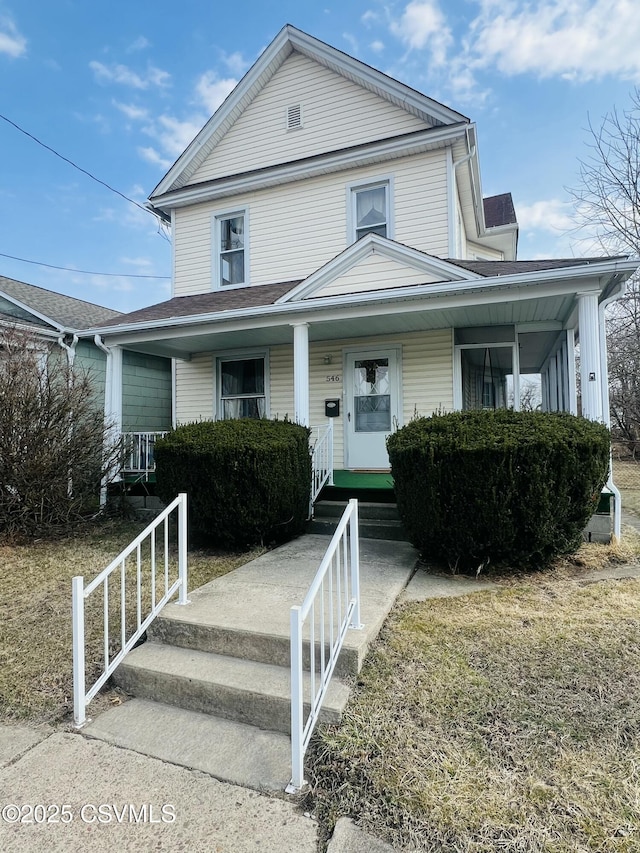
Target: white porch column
x: 590, y: 366
x: 113, y: 390
x: 571, y: 372
x: 301, y: 372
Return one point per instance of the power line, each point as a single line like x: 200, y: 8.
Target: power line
x: 84, y: 272
x: 75, y: 166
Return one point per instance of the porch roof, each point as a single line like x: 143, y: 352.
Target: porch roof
x: 538, y: 294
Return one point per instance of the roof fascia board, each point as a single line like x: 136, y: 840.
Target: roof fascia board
x: 364, y: 248
x: 322, y: 164
x: 33, y: 312
x: 566, y: 278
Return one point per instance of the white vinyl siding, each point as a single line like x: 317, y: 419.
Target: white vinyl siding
x: 477, y: 252
x: 376, y: 273
x: 309, y: 218
x: 427, y: 380
x: 195, y: 391
x: 337, y: 114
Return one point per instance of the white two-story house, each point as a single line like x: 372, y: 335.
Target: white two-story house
x: 334, y: 260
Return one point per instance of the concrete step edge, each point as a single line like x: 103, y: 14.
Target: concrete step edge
x: 274, y: 649
x: 244, y: 691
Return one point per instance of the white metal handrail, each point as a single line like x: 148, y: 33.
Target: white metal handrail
x: 330, y: 608
x: 80, y: 593
x: 138, y: 452
x: 322, y: 460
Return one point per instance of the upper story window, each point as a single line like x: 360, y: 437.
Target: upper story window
x: 230, y: 240
x: 370, y: 210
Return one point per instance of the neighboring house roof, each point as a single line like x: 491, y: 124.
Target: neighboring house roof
x: 499, y: 210
x: 19, y: 300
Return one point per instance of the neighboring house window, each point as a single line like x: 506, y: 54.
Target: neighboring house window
x: 242, y: 388
x: 370, y: 210
x: 231, y: 246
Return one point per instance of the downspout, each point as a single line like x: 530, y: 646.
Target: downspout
x: 453, y: 218
x: 606, y: 412
x: 70, y: 349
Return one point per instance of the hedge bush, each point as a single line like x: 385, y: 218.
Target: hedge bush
x: 248, y: 480
x: 499, y: 486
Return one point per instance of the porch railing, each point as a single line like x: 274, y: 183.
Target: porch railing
x: 330, y: 608
x: 138, y: 452
x: 322, y: 460
x: 156, y: 578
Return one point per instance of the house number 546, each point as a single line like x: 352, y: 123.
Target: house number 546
x: 334, y: 377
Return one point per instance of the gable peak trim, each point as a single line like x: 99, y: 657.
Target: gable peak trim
x: 374, y: 244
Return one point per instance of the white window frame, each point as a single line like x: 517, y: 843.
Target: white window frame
x: 218, y: 217
x: 242, y: 355
x: 353, y: 187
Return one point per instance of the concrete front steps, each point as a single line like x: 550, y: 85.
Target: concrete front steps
x: 212, y: 682
x: 376, y: 520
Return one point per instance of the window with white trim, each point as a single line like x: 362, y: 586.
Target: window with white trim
x: 370, y: 210
x: 231, y: 248
x: 241, y: 387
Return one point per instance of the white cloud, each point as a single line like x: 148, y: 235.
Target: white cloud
x: 377, y: 46
x: 212, y: 90
x: 122, y: 74
x: 370, y: 17
x: 11, y: 41
x: 131, y: 111
x: 152, y: 156
x: 141, y: 43
x: 174, y: 135
x: 235, y: 63
x: 423, y: 26
x: 552, y: 215
x: 143, y: 264
x: 574, y: 39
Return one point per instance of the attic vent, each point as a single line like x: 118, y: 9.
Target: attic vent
x: 294, y: 116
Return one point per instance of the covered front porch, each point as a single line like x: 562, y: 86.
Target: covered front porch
x: 355, y: 366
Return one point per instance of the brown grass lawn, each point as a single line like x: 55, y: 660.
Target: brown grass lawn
x: 504, y: 721
x: 626, y: 476
x: 35, y: 615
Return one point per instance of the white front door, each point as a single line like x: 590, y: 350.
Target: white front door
x: 371, y: 406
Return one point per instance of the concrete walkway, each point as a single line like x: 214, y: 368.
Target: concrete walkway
x: 98, y: 796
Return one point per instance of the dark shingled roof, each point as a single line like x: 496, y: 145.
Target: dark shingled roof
x: 66, y: 311
x: 208, y: 303
x: 499, y: 210
x: 219, y: 301
x: 495, y: 268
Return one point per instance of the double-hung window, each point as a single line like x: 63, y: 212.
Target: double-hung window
x: 242, y: 387
x: 231, y: 248
x: 370, y: 210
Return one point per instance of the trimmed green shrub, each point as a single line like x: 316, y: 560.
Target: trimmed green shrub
x: 248, y: 480
x: 499, y: 486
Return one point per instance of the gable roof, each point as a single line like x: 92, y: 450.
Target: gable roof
x: 290, y: 39
x: 42, y: 307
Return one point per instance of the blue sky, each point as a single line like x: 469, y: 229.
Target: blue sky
x: 121, y: 87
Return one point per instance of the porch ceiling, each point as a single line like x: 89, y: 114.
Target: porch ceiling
x: 325, y: 326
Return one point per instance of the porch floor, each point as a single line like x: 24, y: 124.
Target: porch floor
x: 368, y: 486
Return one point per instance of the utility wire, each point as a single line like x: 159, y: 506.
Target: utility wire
x: 75, y: 165
x: 83, y: 272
